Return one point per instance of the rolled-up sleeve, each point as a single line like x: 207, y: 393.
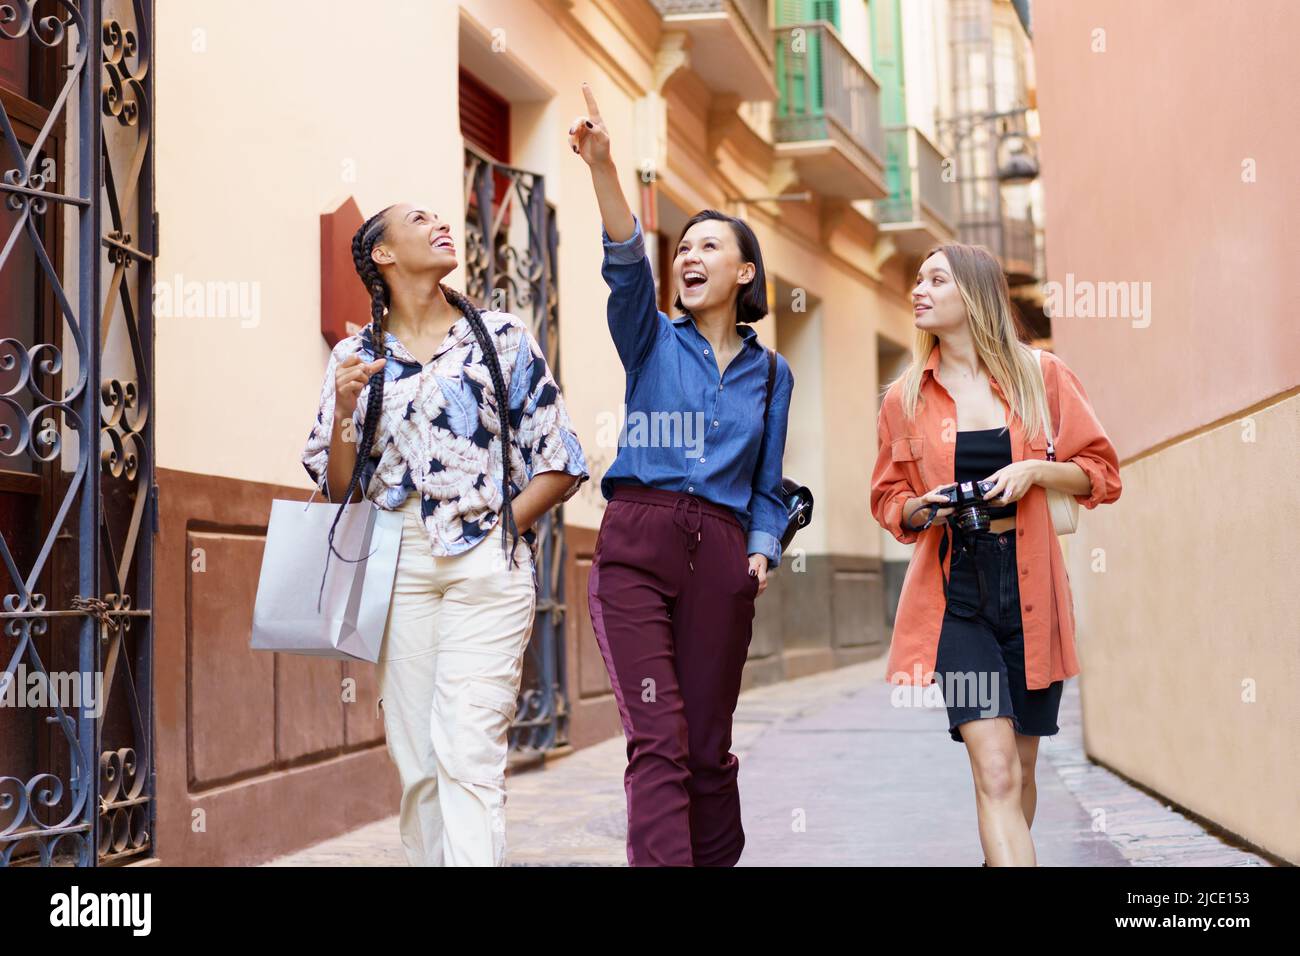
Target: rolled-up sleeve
x: 546, y: 437
x: 768, y: 514
x: 635, y: 322
x: 1081, y: 439
x: 890, y: 486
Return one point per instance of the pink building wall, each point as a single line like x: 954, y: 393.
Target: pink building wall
x: 1143, y: 153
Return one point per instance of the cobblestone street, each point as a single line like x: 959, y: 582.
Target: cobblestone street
x: 872, y: 784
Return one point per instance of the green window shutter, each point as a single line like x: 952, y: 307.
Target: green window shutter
x: 828, y: 10
x: 789, y: 11
x: 887, y: 63
x: 799, y: 74
x: 805, y: 11
x: 795, y: 70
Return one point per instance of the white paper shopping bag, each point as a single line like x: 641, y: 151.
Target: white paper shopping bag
x: 353, y: 602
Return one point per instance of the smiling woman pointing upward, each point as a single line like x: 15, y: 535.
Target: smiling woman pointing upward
x: 690, y: 532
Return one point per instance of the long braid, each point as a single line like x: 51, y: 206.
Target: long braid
x: 363, y: 241
x: 509, y: 530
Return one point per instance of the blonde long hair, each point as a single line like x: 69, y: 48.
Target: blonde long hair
x: 983, y: 288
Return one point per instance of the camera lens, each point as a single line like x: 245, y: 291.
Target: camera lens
x: 972, y: 519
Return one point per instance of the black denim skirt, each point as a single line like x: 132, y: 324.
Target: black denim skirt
x: 981, y: 661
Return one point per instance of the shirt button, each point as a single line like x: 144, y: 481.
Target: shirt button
x: 690, y: 487
x: 1024, y: 571
x: 701, y: 461
x: 1021, y: 532
x: 1029, y: 607
x: 706, y: 351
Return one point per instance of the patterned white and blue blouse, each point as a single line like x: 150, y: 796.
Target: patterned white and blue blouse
x: 438, y: 432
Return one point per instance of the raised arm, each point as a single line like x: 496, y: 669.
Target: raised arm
x: 590, y: 140
x: 634, y: 318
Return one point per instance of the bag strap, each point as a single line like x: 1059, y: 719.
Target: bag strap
x: 771, y: 379
x: 493, y: 360
x: 1047, y: 412
x: 771, y: 382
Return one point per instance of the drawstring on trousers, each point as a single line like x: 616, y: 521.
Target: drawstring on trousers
x: 681, y: 516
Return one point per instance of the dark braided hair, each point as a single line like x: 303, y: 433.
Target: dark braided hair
x: 488, y: 348
x: 363, y: 241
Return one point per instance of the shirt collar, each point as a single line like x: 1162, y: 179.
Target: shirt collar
x: 932, y: 363
x: 459, y: 329
x: 746, y: 331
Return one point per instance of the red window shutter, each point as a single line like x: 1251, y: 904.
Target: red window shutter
x: 484, y: 118
x: 485, y: 124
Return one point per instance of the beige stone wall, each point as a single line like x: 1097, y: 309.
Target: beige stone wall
x: 1187, y: 611
x: 261, y: 126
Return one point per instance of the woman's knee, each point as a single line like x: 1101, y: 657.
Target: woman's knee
x: 995, y: 764
x: 1028, y: 752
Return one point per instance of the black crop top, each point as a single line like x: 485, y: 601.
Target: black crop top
x: 979, y: 453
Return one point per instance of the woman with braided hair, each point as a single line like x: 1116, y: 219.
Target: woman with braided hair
x: 450, y: 415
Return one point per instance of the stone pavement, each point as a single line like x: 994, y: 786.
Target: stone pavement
x: 831, y: 774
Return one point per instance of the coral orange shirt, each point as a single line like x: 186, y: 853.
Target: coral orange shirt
x: 916, y: 455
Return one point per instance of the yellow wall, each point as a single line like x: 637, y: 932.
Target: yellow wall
x: 1186, y: 607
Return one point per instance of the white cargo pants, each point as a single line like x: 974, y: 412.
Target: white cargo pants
x: 449, y: 674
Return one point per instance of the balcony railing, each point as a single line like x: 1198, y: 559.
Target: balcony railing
x: 826, y: 93
x: 1014, y: 241
x: 1019, y: 254
x: 752, y: 13
x: 919, y: 190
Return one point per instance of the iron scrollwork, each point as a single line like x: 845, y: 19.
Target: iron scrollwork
x: 511, y: 243
x: 83, y: 794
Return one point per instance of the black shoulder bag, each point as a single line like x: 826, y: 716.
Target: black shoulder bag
x: 798, y: 499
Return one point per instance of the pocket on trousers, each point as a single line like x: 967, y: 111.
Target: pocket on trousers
x: 482, y: 726
x: 963, y: 591
x: 959, y: 608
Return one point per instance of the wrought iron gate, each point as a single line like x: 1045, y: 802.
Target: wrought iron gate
x: 511, y: 242
x: 77, y: 497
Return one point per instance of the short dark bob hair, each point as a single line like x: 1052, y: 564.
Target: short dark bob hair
x: 751, y: 302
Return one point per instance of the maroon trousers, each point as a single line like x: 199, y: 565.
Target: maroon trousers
x: 672, y: 603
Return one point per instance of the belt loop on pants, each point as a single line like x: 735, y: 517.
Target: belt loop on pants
x: 681, y: 516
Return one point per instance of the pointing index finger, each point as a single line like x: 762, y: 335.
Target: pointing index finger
x: 593, y: 111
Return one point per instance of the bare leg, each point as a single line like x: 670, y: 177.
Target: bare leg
x: 1028, y: 748
x: 995, y: 766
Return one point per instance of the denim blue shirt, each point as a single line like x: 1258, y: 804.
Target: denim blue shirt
x: 689, y: 428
